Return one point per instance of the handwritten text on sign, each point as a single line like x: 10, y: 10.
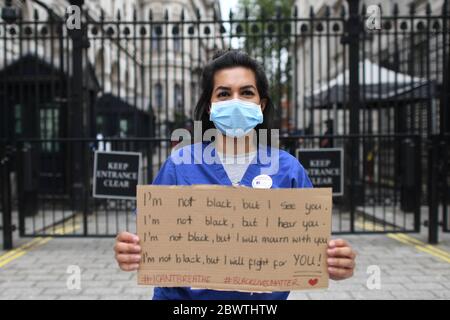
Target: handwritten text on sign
x: 233, y: 238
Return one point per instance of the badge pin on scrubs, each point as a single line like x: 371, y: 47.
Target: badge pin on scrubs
x: 262, y: 181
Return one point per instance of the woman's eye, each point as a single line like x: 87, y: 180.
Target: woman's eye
x: 223, y: 94
x: 248, y: 93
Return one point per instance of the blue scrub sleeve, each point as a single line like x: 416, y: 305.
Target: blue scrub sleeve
x: 301, y: 179
x: 167, y: 175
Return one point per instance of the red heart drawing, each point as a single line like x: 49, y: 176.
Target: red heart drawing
x: 313, y: 282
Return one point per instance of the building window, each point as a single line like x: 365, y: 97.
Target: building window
x: 178, y: 98
x: 158, y: 95
x: 124, y: 128
x: 49, y: 127
x: 193, y: 93
x: 18, y: 119
x: 177, y: 40
x: 101, y: 125
x: 156, y: 38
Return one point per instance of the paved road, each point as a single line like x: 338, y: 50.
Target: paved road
x: 409, y: 270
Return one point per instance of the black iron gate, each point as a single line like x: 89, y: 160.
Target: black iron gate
x: 439, y: 185
x: 385, y: 204
x: 444, y: 182
x: 6, y: 223
x: 124, y: 82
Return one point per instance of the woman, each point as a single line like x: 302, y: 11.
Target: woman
x: 235, y: 100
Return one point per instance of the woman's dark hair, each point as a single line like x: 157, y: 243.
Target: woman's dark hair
x: 229, y: 59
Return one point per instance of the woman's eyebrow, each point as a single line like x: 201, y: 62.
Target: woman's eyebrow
x: 248, y: 87
x: 222, y: 88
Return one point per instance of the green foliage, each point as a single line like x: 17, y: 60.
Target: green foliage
x: 266, y: 36
x: 267, y: 7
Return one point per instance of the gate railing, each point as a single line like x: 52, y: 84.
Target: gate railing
x: 389, y: 201
x: 6, y: 226
x: 140, y: 77
x: 439, y: 186
x: 148, y: 70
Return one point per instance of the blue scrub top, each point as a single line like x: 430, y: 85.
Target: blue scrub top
x: 290, y: 174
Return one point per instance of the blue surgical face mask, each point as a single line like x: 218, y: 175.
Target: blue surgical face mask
x: 235, y: 118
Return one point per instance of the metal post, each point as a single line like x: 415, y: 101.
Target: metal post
x: 77, y: 115
x: 6, y: 201
x: 433, y: 205
x: 418, y: 183
x: 354, y: 30
x: 445, y: 99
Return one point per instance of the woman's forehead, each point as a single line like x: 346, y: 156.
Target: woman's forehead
x: 234, y: 77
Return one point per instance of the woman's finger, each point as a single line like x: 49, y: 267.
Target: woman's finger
x: 345, y: 252
x: 128, y: 258
x: 127, y: 237
x: 338, y: 243
x: 122, y: 247
x: 341, y: 263
x: 129, y: 267
x: 339, y: 273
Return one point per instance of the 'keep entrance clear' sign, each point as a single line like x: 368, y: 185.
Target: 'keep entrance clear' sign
x: 116, y: 174
x: 233, y: 238
x: 325, y: 168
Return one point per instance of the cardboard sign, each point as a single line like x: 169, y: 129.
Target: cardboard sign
x: 233, y: 238
x: 116, y: 174
x: 325, y: 168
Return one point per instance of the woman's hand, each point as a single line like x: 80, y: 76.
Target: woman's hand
x: 128, y: 251
x: 341, y: 260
